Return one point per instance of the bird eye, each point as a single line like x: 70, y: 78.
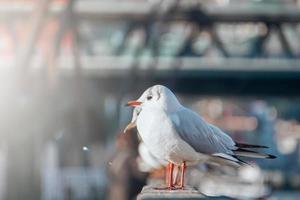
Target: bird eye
x: 149, y: 97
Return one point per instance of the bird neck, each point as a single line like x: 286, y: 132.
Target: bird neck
x: 171, y: 106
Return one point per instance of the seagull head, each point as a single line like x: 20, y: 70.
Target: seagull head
x: 157, y: 96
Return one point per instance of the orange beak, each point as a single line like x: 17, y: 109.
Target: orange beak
x: 133, y: 103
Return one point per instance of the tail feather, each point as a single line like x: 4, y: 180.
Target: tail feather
x: 252, y: 154
x: 224, y: 159
x: 241, y: 161
x: 244, y: 145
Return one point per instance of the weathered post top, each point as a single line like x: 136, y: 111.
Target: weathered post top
x: 149, y: 193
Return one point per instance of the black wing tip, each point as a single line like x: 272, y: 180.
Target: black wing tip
x: 241, y: 162
x: 244, y: 145
x: 272, y: 156
x: 268, y: 156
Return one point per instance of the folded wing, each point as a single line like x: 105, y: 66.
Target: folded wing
x: 202, y: 136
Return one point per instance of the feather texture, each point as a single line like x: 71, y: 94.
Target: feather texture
x: 252, y: 154
x: 203, y: 137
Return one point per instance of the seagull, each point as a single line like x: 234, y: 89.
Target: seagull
x: 180, y: 136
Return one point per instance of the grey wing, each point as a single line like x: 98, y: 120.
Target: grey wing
x: 202, y: 136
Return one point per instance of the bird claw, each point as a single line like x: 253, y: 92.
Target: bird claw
x: 169, y: 188
x: 180, y: 188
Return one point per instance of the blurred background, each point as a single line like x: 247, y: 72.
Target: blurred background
x: 68, y: 67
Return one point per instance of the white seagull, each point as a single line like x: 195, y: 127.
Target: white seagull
x: 180, y: 136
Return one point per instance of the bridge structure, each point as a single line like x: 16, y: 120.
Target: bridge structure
x: 253, y: 72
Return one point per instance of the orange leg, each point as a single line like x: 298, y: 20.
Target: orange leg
x: 167, y: 174
x: 170, y: 183
x: 183, y: 168
x: 169, y: 178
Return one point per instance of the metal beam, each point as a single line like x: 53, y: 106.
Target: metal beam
x: 116, y: 10
x: 118, y: 65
